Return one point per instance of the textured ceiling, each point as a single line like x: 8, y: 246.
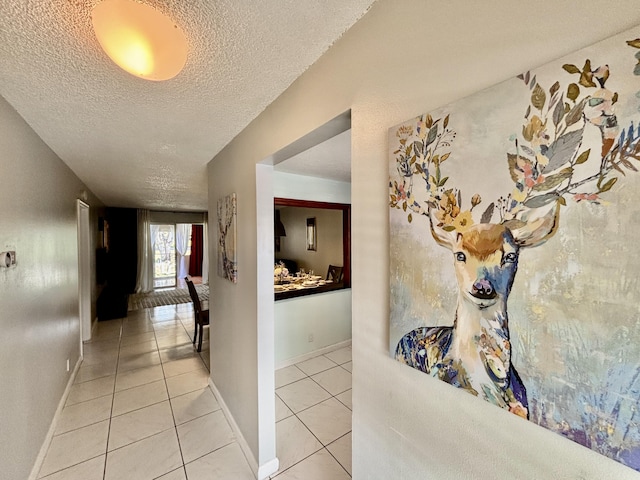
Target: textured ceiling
x: 137, y: 143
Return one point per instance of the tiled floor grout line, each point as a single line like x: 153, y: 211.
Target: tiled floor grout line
x: 324, y: 447
x: 113, y: 399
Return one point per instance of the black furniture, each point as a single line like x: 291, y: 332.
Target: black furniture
x: 335, y: 274
x: 201, y: 316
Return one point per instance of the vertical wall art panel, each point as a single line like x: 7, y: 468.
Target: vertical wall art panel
x: 227, y: 261
x: 536, y: 176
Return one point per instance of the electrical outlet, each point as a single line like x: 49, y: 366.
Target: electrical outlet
x: 310, y: 337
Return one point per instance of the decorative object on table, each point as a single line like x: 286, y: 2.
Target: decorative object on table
x: 227, y: 261
x: 280, y: 273
x: 545, y: 160
x: 311, y: 234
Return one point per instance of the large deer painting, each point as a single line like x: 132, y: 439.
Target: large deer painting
x: 514, y: 174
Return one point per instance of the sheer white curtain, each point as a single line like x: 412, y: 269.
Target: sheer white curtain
x: 146, y: 239
x: 205, y: 250
x: 183, y: 234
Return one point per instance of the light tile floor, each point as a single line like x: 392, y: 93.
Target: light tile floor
x: 313, y: 415
x: 141, y: 408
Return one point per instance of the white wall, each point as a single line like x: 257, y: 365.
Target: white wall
x: 324, y: 316
x: 403, y: 58
x: 39, y: 308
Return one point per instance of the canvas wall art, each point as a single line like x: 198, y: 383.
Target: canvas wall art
x: 514, y: 225
x: 227, y: 261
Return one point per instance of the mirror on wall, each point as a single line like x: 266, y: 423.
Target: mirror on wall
x: 316, y: 235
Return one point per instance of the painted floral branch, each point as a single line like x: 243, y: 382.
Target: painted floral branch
x: 549, y: 164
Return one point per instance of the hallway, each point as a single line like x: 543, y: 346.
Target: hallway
x: 141, y: 408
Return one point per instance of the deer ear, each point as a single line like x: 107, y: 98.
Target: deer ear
x: 441, y: 236
x: 534, y: 226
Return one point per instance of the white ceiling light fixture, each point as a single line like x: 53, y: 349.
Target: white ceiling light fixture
x: 140, y: 39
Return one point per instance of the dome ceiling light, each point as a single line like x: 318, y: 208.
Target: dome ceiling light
x: 140, y: 39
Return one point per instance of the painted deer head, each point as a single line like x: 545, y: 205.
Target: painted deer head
x: 486, y: 255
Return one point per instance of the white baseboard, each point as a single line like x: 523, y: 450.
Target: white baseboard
x: 321, y: 351
x: 268, y: 468
x: 260, y: 472
x: 54, y: 423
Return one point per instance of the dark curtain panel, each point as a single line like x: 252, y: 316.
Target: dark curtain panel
x: 195, y: 263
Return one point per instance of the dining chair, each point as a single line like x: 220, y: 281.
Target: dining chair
x: 201, y: 316
x: 334, y: 274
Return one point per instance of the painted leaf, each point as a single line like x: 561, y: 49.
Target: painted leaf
x: 562, y: 201
x: 584, y: 156
x: 628, y: 164
x: 404, y: 206
x: 444, y: 157
x: 526, y: 77
x: 417, y: 147
x: 607, y: 186
x: 431, y: 136
x: 554, y: 88
x: 533, y: 82
x: 528, y: 150
x: 446, y: 121
x: 538, y: 97
x: 634, y: 43
x: 563, y: 150
x: 448, y: 228
x: 571, y: 68
x: 488, y: 213
x: 552, y: 181
x: 573, y: 91
x: 541, y: 200
x: 428, y: 121
x: 443, y: 181
x: 410, y: 218
x: 586, y: 77
x: 575, y: 114
x: 528, y: 112
x: 558, y: 112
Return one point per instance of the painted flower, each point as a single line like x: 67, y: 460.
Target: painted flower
x: 589, y: 197
x: 531, y: 178
x: 475, y: 200
x: 448, y: 208
x: 404, y: 132
x: 599, y: 111
x: 463, y: 221
x: 518, y: 195
x: 535, y: 132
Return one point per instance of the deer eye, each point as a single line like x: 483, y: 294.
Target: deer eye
x: 510, y: 257
x: 461, y: 257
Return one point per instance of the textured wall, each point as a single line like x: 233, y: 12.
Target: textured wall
x: 39, y: 306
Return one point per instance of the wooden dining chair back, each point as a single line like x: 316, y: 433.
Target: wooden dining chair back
x: 201, y: 317
x: 334, y: 274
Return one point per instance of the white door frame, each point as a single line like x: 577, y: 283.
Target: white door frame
x: 84, y: 271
